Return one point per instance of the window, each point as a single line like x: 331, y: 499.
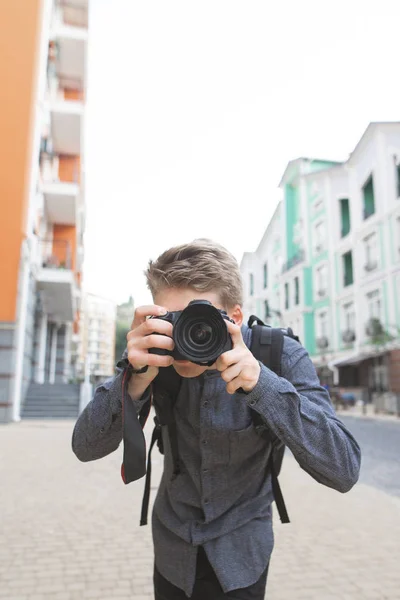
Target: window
x: 319, y: 237
x: 266, y: 310
x: 322, y: 324
x: 398, y: 180
x: 265, y: 275
x: 348, y: 269
x: 398, y: 236
x: 374, y: 305
x: 286, y: 296
x: 349, y: 317
x: 369, y: 197
x: 296, y: 291
x: 371, y: 252
x: 322, y: 281
x: 251, y: 284
x: 344, y: 217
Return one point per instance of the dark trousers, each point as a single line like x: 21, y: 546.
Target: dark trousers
x: 207, y: 586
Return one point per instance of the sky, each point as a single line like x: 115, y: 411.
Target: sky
x: 195, y: 108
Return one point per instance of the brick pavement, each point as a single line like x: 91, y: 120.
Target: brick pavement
x: 69, y: 531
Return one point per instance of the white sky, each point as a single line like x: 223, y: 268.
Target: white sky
x: 195, y: 108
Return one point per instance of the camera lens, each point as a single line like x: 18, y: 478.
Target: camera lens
x: 200, y: 334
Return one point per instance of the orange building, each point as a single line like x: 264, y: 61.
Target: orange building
x: 43, y: 47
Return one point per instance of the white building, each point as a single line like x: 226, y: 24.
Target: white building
x: 340, y: 251
x: 97, y: 350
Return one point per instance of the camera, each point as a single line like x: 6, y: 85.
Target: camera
x: 199, y: 332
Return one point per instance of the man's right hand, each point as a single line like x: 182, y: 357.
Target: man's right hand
x: 149, y: 333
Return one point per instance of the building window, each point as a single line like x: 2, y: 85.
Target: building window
x: 371, y: 252
x: 348, y: 269
x: 286, y: 296
x: 349, y: 317
x: 322, y: 330
x: 251, y: 284
x: 266, y: 310
x: 398, y: 180
x: 374, y: 305
x: 344, y: 217
x: 296, y: 291
x: 319, y: 237
x: 322, y: 281
x: 265, y: 275
x: 369, y: 197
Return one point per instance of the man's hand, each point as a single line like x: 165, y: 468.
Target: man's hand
x: 148, y: 333
x: 238, y: 366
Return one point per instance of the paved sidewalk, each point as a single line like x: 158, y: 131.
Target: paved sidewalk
x: 69, y: 531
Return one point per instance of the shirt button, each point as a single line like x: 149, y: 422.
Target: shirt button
x: 102, y: 430
x: 205, y: 470
x: 253, y: 402
x: 206, y: 403
x: 206, y: 501
x: 204, y: 442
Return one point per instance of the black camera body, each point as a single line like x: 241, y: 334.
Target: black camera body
x: 199, y: 333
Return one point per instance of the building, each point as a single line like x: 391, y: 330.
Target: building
x: 41, y: 249
x: 340, y: 277
x: 97, y: 349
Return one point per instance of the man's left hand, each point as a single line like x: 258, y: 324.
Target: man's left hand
x: 238, y: 366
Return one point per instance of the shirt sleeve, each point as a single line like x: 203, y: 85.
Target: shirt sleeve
x: 299, y: 411
x: 98, y: 430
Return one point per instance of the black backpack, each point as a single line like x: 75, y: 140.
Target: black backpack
x: 266, y: 346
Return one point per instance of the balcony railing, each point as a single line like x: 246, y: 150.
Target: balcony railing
x: 322, y: 293
x: 348, y: 336
x: 322, y: 342
x: 371, y: 265
x: 374, y: 327
x: 55, y: 254
x: 294, y: 261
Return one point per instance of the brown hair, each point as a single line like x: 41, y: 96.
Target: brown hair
x: 202, y: 265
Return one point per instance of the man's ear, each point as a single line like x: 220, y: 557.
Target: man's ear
x: 236, y: 314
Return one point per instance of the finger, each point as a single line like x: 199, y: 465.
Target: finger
x: 155, y: 360
x: 235, y: 333
x: 228, y: 358
x: 142, y: 358
x: 156, y: 341
x: 150, y: 326
x: 234, y: 385
x: 151, y: 310
x: 231, y: 372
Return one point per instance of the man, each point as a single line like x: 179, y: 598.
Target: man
x: 212, y: 526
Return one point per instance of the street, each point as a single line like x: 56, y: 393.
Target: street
x: 380, y: 445
x: 69, y: 530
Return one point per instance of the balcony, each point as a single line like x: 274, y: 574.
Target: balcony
x: 55, y: 279
x: 322, y: 342
x: 374, y: 328
x: 322, y: 293
x: 67, y: 49
x: 60, y: 202
x: 348, y: 336
x: 371, y: 265
x: 66, y: 125
x: 294, y: 261
x: 60, y: 197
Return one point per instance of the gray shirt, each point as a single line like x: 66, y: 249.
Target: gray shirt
x: 222, y: 498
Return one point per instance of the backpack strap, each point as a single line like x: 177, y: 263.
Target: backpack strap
x: 134, y: 457
x: 267, y: 346
x: 165, y: 388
